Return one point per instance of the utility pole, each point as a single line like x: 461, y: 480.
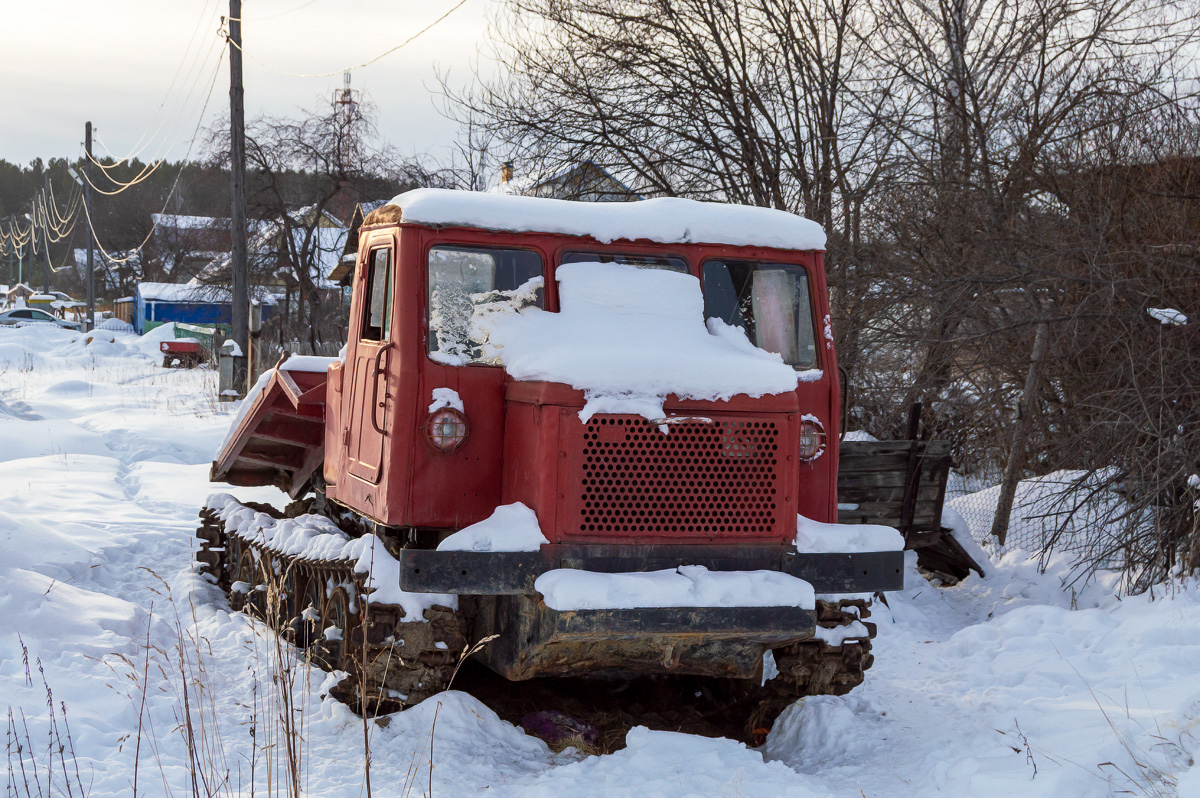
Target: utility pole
x: 46, y: 269
x: 87, y: 201
x: 240, y: 315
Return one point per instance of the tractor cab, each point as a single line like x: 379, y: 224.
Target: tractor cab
x: 432, y: 272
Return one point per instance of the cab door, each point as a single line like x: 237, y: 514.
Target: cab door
x: 370, y: 405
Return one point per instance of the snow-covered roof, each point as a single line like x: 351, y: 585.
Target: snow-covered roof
x: 192, y: 293
x: 327, y: 249
x: 189, y: 222
x: 326, y: 246
x: 667, y: 220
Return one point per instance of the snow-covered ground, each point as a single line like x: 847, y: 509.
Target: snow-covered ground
x: 1005, y: 685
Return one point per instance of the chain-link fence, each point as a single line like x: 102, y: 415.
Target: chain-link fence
x: 1063, y: 512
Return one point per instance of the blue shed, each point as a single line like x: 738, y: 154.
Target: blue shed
x: 158, y: 303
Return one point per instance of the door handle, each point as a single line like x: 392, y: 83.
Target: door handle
x: 375, y: 372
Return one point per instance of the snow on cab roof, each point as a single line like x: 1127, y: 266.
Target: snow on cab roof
x: 667, y: 220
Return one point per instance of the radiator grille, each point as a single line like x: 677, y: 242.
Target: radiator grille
x: 702, y: 479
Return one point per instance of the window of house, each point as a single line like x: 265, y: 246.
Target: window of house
x: 466, y: 283
x: 770, y: 301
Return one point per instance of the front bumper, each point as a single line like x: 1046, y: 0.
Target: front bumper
x: 535, y: 640
x: 513, y: 573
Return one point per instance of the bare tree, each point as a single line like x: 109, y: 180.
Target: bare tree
x: 743, y: 102
x: 305, y: 176
x: 985, y: 168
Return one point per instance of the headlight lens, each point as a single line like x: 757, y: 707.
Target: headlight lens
x: 812, y: 439
x: 447, y: 429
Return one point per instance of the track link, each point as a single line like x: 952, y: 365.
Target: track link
x: 322, y: 606
x: 833, y: 662
x: 392, y: 661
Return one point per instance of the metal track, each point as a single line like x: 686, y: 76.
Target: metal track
x: 816, y: 667
x: 318, y: 606
x: 392, y: 662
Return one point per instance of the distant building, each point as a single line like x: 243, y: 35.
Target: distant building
x: 585, y: 181
x: 17, y: 296
x: 159, y: 303
x: 343, y: 273
x: 316, y: 238
x: 184, y: 244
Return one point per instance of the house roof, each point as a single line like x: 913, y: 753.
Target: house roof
x: 188, y: 293
x: 569, y: 182
x: 326, y: 247
x: 345, y: 267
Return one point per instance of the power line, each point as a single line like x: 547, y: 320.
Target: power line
x: 131, y: 254
x: 281, y: 13
x: 148, y: 170
x: 156, y: 124
x: 407, y: 41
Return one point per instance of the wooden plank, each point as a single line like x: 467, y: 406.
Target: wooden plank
x: 268, y: 460
x: 290, y: 389
x: 279, y: 429
x: 314, y: 460
x: 921, y: 520
x: 860, y: 465
x: 872, y: 448
x: 884, y: 448
x: 892, y: 479
x: 926, y: 494
x: 311, y: 413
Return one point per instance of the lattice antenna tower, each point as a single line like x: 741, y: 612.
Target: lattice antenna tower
x: 346, y: 114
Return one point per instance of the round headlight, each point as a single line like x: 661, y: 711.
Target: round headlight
x: 446, y: 429
x: 812, y: 439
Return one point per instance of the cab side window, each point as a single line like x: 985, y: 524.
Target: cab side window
x: 377, y: 320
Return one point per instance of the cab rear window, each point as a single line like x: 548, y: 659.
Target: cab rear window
x: 667, y: 262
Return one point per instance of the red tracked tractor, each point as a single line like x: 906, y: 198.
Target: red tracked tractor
x: 369, y: 453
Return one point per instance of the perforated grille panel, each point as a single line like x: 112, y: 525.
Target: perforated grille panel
x: 716, y: 479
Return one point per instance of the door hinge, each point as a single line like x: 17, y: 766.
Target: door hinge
x: 346, y: 437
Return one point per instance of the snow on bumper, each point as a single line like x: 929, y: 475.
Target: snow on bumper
x: 685, y: 586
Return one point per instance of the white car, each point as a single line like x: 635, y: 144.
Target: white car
x: 21, y: 316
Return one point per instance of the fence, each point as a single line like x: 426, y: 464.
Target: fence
x: 1062, y: 512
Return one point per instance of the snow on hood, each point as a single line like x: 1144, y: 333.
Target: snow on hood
x: 668, y: 220
x: 627, y: 338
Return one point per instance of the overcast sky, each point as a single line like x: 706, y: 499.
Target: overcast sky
x: 140, y: 70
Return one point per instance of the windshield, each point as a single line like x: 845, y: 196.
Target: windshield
x: 770, y: 301
x: 466, y: 283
